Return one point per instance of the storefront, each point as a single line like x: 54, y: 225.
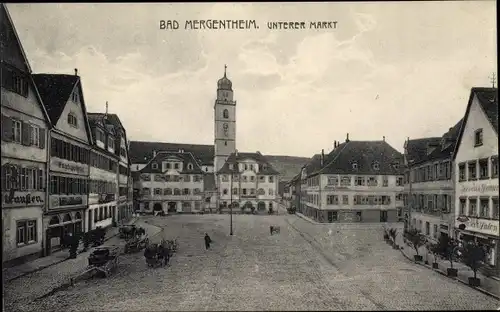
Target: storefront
x: 59, y: 225
x: 102, y: 211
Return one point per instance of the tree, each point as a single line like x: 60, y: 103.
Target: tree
x: 451, y: 249
x: 473, y: 256
x: 416, y: 239
x: 433, y: 249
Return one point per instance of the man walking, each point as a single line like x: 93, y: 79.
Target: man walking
x: 208, y: 240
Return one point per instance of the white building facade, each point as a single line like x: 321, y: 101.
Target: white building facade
x: 476, y: 174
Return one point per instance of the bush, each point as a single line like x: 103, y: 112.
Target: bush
x: 416, y: 239
x: 473, y: 256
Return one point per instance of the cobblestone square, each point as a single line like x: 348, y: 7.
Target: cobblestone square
x: 305, y: 267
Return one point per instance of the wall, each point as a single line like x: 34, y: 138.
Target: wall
x: 10, y: 217
x: 76, y: 108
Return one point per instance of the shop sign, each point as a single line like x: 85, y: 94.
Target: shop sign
x: 106, y: 198
x: 483, y: 226
x: 479, y: 188
x: 57, y: 201
x: 22, y: 199
x: 67, y: 166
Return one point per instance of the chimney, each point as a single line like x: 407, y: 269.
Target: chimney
x: 334, y: 144
x: 154, y: 153
x: 76, y: 71
x: 322, y: 157
x: 383, y: 138
x: 235, y: 152
x: 347, y: 138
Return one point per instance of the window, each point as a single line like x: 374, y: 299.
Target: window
x: 235, y: 191
x: 74, y: 96
x: 34, y: 135
x: 177, y: 192
x: 472, y: 207
x: 478, y: 137
x: 435, y: 232
x: 225, y: 114
x: 427, y: 228
x: 146, y: 191
x: 332, y: 200
x: 360, y: 181
x: 187, y: 178
x: 224, y: 191
x: 169, y: 165
x: 252, y: 178
x: 271, y: 192
x: 154, y: 165
x: 225, y: 143
x: 244, y: 191
x: 385, y: 181
x: 472, y: 170
x: 372, y: 181
x: 399, y: 181
x: 484, y: 211
x: 376, y: 166
x: 494, y: 167
x: 345, y: 200
x: 333, y: 180
x: 483, y: 168
x: 15, y: 81
x: 99, y: 135
x: 111, y: 142
x: 176, y: 166
x: 26, y: 232
x: 252, y: 191
x: 345, y: 181
x: 16, y: 131
x: 495, y: 208
x: 185, y: 191
x: 461, y: 172
x: 167, y: 191
x: 190, y: 166
x: 72, y: 121
x: 355, y: 166
x: 158, y: 191
x: 271, y: 179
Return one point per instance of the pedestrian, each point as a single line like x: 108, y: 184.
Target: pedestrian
x: 208, y: 240
x: 73, y: 245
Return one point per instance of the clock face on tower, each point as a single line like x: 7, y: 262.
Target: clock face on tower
x: 225, y: 126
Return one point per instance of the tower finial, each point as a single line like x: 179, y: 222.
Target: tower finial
x: 493, y: 79
x: 225, y: 68
x: 106, y: 108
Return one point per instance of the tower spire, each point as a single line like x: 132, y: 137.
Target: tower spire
x: 106, y: 109
x: 493, y: 79
x: 225, y: 68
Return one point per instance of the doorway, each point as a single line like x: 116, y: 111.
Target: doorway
x: 157, y: 207
x: 383, y: 216
x: 172, y: 207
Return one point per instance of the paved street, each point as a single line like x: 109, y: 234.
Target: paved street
x: 305, y: 267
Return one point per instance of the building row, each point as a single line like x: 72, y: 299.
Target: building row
x: 357, y: 181
x: 451, y: 182
x: 190, y: 178
x: 63, y: 169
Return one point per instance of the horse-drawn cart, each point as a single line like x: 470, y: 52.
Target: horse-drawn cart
x: 136, y: 243
x: 104, y: 259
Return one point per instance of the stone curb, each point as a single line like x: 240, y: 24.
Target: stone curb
x: 453, y: 278
x: 57, y: 262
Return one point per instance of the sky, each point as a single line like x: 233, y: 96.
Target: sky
x: 396, y: 69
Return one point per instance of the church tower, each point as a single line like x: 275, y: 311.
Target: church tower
x: 225, y: 122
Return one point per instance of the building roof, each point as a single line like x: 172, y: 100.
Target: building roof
x: 416, y: 149
x: 265, y: 168
x: 445, y: 149
x: 55, y: 90
x: 488, y: 101
x: 186, y: 157
x: 141, y: 151
x: 16, y: 36
x: 209, y: 182
x: 365, y: 154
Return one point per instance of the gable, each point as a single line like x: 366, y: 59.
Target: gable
x: 476, y: 119
x: 11, y: 50
x: 75, y: 108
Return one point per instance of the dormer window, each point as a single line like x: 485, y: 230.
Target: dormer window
x: 190, y: 166
x: 396, y: 166
x: 376, y: 166
x: 231, y: 166
x: 355, y: 166
x: 154, y: 165
x: 99, y: 135
x: 72, y: 121
x: 111, y: 143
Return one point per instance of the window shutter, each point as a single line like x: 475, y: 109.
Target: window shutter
x: 41, y: 138
x: 6, y: 129
x: 4, y: 177
x: 26, y: 133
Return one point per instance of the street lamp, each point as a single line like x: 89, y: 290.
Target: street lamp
x: 231, y: 201
x: 410, y: 195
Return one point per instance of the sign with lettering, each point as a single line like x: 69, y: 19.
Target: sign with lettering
x: 483, y: 226
x: 59, y: 201
x: 20, y: 199
x: 479, y: 188
x: 106, y: 198
x: 67, y: 166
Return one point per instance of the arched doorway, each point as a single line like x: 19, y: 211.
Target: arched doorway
x: 261, y: 206
x: 248, y: 206
x: 172, y: 207
x: 157, y: 207
x: 53, y: 231
x: 68, y: 224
